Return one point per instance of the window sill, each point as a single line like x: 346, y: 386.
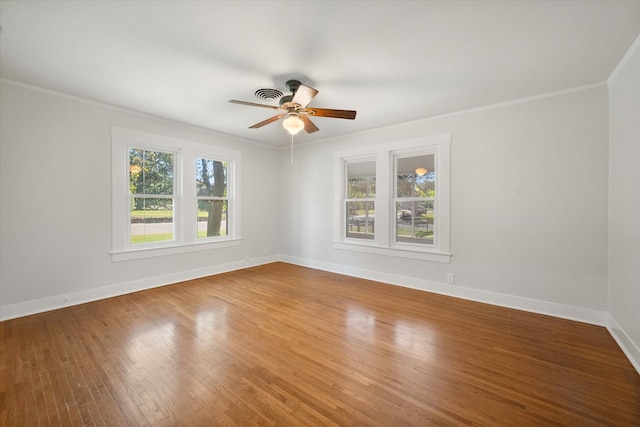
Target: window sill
x: 422, y: 255
x: 141, y: 253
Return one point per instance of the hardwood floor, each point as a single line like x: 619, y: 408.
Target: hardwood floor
x: 286, y: 345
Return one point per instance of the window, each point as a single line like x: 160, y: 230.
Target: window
x: 415, y: 178
x: 151, y: 184
x: 394, y: 199
x: 212, y: 200
x: 360, y: 200
x: 171, y: 196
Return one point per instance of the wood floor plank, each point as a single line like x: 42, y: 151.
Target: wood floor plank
x: 286, y: 345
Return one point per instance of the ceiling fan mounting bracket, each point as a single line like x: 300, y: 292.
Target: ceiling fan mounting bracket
x: 293, y: 85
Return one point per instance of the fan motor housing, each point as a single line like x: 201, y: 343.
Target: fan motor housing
x: 286, y: 99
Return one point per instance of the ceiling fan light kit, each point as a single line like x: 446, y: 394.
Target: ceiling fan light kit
x: 293, y: 124
x: 294, y: 108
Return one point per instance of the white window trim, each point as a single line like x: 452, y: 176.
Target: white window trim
x: 185, y: 236
x: 384, y: 240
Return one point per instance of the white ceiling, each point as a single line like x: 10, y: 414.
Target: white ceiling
x: 392, y: 61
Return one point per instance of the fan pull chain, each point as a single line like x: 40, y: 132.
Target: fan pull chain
x: 292, y: 149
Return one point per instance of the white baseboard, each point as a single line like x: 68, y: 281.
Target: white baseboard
x: 12, y: 311
x: 627, y: 345
x: 579, y: 314
x: 41, y: 305
x: 600, y: 318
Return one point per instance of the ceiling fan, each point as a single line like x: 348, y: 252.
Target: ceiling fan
x: 294, y: 108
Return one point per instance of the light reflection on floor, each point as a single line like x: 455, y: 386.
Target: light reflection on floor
x: 151, y: 342
x: 415, y: 338
x: 360, y: 323
x: 210, y: 323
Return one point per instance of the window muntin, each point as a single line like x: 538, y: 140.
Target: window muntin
x: 152, y: 197
x: 415, y: 198
x: 212, y: 197
x: 360, y: 199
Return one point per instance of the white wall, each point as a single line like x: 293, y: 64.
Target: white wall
x: 55, y: 214
x: 528, y: 221
x: 529, y: 206
x: 624, y: 205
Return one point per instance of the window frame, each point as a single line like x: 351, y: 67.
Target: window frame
x: 384, y: 241
x: 185, y: 193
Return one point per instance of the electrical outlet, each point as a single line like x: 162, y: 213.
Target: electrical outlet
x: 451, y: 278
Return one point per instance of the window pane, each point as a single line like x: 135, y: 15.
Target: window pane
x: 360, y: 220
x: 416, y: 176
x: 361, y: 180
x: 211, y: 177
x: 212, y: 218
x: 151, y: 220
x: 150, y: 172
x: 414, y: 222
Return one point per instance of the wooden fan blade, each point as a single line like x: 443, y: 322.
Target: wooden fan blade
x: 309, y: 127
x: 266, y: 122
x: 304, y: 95
x: 326, y: 112
x: 253, y: 104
